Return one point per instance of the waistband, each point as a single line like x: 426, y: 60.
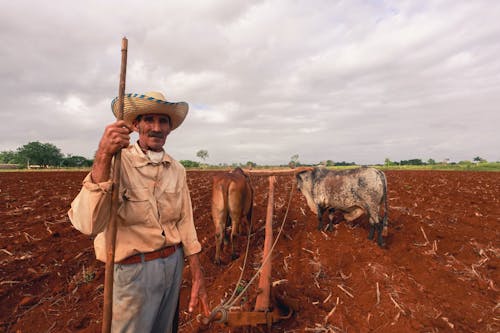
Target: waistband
x: 160, y: 253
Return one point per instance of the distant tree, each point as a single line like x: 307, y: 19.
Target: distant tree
x: 203, y: 154
x: 344, y: 163
x: 330, y: 163
x: 415, y: 161
x: 9, y: 157
x: 431, y: 161
x: 189, y: 164
x: 479, y: 159
x: 251, y: 164
x: 43, y: 154
x: 76, y: 161
x: 294, y: 161
x: 388, y: 162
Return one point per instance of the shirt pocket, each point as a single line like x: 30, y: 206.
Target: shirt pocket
x: 135, y: 207
x: 170, y: 207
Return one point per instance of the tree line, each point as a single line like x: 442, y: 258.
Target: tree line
x: 430, y: 161
x: 42, y: 155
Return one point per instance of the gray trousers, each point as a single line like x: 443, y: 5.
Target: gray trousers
x: 145, y: 294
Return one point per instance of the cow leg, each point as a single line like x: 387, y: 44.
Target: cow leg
x: 220, y: 230
x: 234, y: 245
x: 371, y: 233
x: 235, y: 220
x: 373, y: 220
x: 321, y: 210
x: 331, y: 218
x: 218, y: 244
x: 375, y: 223
x: 380, y: 238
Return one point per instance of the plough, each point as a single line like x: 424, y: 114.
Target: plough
x: 264, y: 313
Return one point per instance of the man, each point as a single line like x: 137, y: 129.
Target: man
x: 155, y: 227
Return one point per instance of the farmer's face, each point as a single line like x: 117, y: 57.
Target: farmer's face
x: 153, y: 131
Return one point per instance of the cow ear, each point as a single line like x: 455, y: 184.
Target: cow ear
x: 301, y: 175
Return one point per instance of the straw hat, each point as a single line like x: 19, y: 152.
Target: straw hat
x: 148, y: 103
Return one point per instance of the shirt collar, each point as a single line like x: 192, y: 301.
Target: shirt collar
x: 139, y: 159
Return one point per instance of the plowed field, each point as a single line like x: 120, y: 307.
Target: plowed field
x: 439, y: 272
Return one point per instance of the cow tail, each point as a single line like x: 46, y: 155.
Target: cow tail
x: 250, y: 211
x: 385, y: 229
x: 225, y: 193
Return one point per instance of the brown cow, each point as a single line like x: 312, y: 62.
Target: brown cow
x: 232, y: 200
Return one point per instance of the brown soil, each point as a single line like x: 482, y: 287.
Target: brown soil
x: 439, y: 272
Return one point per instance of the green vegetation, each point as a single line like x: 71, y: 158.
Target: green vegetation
x: 460, y: 166
x: 294, y: 161
x: 189, y: 164
x: 479, y: 164
x: 36, y: 155
x: 203, y: 154
x: 41, y: 155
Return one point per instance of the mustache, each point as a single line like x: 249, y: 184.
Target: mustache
x: 153, y: 134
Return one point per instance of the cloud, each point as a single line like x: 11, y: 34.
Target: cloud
x: 347, y: 81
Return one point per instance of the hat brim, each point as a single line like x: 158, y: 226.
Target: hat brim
x: 136, y: 104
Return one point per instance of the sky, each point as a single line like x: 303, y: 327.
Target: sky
x: 355, y: 81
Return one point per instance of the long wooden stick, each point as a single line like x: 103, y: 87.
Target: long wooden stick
x: 111, y: 232
x: 262, y: 302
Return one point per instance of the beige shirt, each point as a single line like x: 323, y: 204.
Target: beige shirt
x: 154, y: 207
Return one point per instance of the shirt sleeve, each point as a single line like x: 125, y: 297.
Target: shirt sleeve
x: 90, y: 210
x: 186, y: 227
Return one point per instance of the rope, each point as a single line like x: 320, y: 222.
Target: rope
x: 231, y: 302
x: 246, y: 254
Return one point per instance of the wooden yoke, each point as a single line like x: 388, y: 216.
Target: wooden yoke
x: 111, y: 232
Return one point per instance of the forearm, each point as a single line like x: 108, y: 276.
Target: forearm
x: 101, y: 169
x: 194, y: 264
x: 89, y: 211
x: 198, y: 291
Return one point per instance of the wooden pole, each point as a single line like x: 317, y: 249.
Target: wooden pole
x: 262, y: 301
x: 111, y: 231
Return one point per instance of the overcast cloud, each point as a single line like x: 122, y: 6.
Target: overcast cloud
x: 356, y: 81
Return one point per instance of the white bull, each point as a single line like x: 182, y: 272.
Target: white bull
x: 352, y: 191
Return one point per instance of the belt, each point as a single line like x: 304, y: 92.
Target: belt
x: 161, y: 253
